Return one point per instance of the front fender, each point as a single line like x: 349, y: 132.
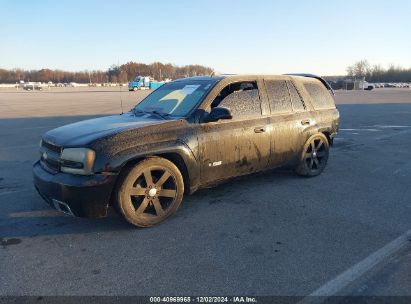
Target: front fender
x: 118, y: 161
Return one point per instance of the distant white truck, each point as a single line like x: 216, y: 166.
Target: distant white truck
x: 32, y: 86
x: 367, y: 86
x: 75, y: 84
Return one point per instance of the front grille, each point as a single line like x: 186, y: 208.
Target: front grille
x: 51, y: 164
x: 50, y: 157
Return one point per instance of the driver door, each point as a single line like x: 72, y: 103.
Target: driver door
x: 237, y: 146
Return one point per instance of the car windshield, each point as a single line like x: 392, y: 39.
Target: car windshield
x: 175, y: 98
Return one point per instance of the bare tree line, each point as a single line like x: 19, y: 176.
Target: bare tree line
x: 376, y: 73
x: 160, y: 71
x: 116, y: 73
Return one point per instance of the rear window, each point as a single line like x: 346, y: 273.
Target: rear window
x: 278, y: 96
x: 321, y: 98
x: 298, y: 104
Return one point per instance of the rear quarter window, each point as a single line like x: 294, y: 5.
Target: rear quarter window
x: 298, y: 104
x: 320, y: 97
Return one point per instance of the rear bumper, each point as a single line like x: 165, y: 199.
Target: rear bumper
x: 83, y: 196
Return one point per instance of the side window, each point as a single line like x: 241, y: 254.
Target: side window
x: 243, y: 99
x: 321, y: 98
x: 298, y: 104
x: 278, y: 96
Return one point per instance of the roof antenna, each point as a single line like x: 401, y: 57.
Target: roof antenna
x: 121, y: 100
x: 119, y: 84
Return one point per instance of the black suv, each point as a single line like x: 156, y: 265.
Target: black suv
x: 188, y: 134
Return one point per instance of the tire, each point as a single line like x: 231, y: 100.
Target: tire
x: 314, y: 156
x: 150, y: 192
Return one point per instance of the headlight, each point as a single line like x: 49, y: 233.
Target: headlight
x: 77, y: 161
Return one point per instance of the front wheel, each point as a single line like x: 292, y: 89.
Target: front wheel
x: 150, y: 192
x: 314, y: 156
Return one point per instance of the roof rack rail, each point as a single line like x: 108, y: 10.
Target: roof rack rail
x: 323, y: 81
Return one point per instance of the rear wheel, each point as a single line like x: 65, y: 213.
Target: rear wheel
x: 150, y: 192
x: 314, y: 156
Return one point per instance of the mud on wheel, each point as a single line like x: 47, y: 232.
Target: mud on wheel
x: 150, y: 192
x: 314, y: 156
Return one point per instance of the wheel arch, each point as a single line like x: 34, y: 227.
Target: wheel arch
x: 179, y: 162
x: 181, y: 157
x: 329, y: 134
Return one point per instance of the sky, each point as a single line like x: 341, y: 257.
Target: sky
x: 231, y: 36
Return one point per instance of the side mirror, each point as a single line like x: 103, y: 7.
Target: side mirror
x: 218, y: 113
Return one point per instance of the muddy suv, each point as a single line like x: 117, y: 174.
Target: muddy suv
x: 188, y: 134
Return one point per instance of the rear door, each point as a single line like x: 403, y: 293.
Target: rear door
x: 288, y: 121
x: 305, y: 122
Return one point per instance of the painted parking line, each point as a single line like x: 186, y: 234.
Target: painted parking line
x: 376, y: 128
x: 19, y: 147
x: 35, y: 127
x: 14, y: 192
x: 337, y: 284
x: 37, y: 214
x: 368, y: 130
x: 391, y: 126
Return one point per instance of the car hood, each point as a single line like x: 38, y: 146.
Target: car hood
x: 85, y: 132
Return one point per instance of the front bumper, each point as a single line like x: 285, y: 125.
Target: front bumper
x: 83, y: 196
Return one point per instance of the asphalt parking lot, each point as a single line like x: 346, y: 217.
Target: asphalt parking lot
x: 271, y: 234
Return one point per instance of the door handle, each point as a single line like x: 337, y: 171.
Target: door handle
x: 306, y: 122
x: 259, y: 130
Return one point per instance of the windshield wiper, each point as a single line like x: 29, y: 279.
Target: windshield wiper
x: 155, y: 112
x: 162, y: 115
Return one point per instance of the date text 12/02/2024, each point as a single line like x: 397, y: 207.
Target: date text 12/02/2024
x: 203, y: 300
